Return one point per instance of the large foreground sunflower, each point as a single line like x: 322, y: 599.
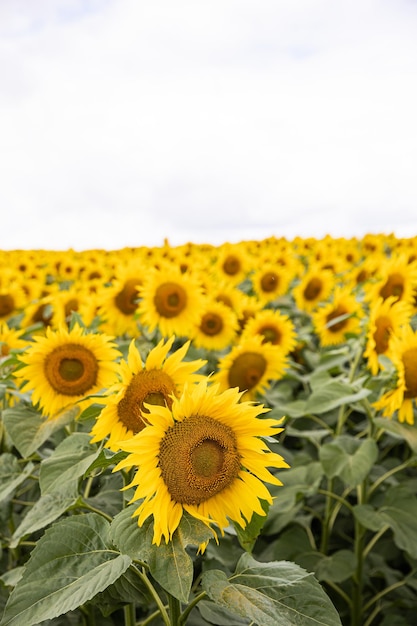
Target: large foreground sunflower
x: 205, y: 456
x: 156, y: 381
x: 403, y: 354
x: 63, y: 367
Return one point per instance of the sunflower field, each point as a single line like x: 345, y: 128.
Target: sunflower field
x: 210, y: 435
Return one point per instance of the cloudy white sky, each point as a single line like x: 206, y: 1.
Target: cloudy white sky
x: 123, y: 122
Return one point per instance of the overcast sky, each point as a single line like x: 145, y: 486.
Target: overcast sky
x: 123, y: 122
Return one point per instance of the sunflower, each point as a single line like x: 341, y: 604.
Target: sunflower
x: 274, y: 327
x: 385, y: 319
x: 118, y: 302
x: 270, y: 281
x: 10, y: 339
x: 314, y: 286
x: 403, y: 354
x: 156, y: 381
x: 170, y: 301
x: 339, y: 317
x: 250, y: 366
x: 205, y: 456
x: 396, y: 277
x: 12, y: 300
x: 63, y: 367
x: 217, y: 328
x: 232, y: 263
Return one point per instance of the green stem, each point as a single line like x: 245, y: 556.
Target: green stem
x: 359, y: 538
x: 129, y: 614
x: 162, y: 610
x: 184, y: 616
x: 391, y: 472
x: 383, y: 593
x: 174, y: 610
x: 325, y: 535
x: 374, y: 539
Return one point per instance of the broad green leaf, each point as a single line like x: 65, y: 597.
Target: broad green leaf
x: 368, y: 517
x: 45, y: 511
x: 28, y: 430
x: 399, y: 511
x: 405, y: 432
x: 278, y: 593
x: 126, y: 589
x: 169, y: 563
x: 336, y: 568
x: 69, y: 461
x: 348, y: 458
x: 219, y: 615
x: 12, y: 474
x: 71, y: 564
x: 332, y: 395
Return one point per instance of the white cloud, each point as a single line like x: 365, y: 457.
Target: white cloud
x: 126, y: 121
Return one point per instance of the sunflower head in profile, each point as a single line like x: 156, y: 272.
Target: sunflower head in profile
x: 64, y: 366
x: 170, y: 301
x: 205, y: 456
x: 157, y: 381
x: 403, y: 354
x: 386, y: 317
x: 250, y: 366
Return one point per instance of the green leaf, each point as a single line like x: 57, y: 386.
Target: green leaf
x: 368, y: 517
x: 220, y: 616
x: 129, y: 588
x: 348, y: 458
x: 278, y: 593
x: 71, y: 564
x: 169, y: 564
x: 338, y: 567
x: 45, y: 511
x: 405, y: 432
x: 399, y: 511
x: 36, y: 428
x: 69, y: 461
x: 333, y: 394
x: 11, y: 474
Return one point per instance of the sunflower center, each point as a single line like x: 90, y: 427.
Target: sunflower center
x: 126, y: 299
x: 269, y: 282
x: 394, y: 286
x: 71, y: 369
x: 409, y: 359
x: 271, y: 334
x: 231, y: 265
x: 6, y: 304
x: 198, y: 458
x: 382, y: 334
x: 211, y: 324
x: 313, y: 289
x: 147, y: 386
x: 247, y: 370
x: 170, y: 299
x: 335, y: 327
